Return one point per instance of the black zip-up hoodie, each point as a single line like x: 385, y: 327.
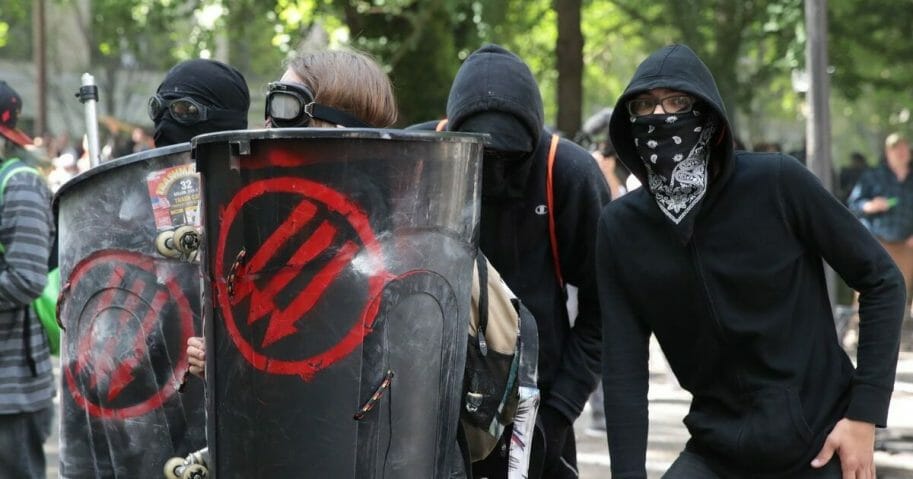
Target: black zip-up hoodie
x: 740, y: 307
x: 514, y: 231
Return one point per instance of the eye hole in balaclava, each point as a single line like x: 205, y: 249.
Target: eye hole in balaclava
x: 507, y: 155
x: 210, y: 84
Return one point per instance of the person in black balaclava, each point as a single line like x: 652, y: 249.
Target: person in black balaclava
x: 721, y: 256
x: 198, y: 96
x: 494, y: 92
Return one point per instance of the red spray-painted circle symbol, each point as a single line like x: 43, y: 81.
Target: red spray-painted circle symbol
x: 120, y: 362
x: 325, y: 238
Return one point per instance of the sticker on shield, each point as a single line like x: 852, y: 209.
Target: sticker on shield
x: 175, y: 196
x: 298, y: 275
x: 127, y: 326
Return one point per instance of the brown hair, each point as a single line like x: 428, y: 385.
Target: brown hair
x: 348, y: 80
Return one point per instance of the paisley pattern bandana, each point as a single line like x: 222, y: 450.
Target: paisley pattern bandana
x: 674, y: 149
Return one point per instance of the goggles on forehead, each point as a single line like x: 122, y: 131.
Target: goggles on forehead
x: 184, y: 110
x: 292, y: 104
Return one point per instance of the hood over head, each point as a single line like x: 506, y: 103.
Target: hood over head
x: 211, y: 83
x: 494, y: 92
x: 675, y: 67
x: 492, y: 79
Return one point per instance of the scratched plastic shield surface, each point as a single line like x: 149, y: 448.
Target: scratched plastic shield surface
x: 128, y: 311
x: 339, y: 267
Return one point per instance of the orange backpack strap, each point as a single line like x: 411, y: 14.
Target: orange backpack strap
x: 550, y: 204
x: 440, y: 125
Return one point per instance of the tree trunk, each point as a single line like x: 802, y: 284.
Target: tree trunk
x: 569, y: 55
x: 40, y: 56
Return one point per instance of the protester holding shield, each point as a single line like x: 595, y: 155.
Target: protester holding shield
x: 330, y: 88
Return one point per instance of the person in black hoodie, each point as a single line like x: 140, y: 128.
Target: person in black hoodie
x: 720, y: 255
x: 494, y: 92
x: 196, y: 97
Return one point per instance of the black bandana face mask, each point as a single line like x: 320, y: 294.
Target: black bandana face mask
x: 674, y: 148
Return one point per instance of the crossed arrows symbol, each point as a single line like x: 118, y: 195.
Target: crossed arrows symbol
x: 262, y: 301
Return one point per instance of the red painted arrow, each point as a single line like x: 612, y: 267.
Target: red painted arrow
x: 261, y: 301
x: 84, y: 352
x: 104, y: 362
x: 283, y: 323
x: 123, y: 376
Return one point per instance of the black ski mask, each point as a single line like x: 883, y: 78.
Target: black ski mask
x: 506, y: 161
x: 196, y: 97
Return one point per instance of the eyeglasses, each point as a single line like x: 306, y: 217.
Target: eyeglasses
x: 184, y: 110
x: 293, y: 105
x: 646, y: 105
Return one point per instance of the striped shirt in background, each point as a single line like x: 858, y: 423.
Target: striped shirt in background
x: 26, y: 225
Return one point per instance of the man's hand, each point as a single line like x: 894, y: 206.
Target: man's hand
x: 909, y: 242
x: 854, y: 443
x: 196, y: 355
x: 877, y: 204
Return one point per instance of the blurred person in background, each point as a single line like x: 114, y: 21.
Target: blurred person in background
x: 26, y: 381
x: 850, y: 175
x: 883, y: 201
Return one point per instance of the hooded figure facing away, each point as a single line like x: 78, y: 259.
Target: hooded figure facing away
x: 720, y: 255
x: 196, y: 97
x: 494, y: 92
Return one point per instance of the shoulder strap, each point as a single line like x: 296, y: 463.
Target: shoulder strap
x: 482, y: 268
x: 441, y: 125
x: 550, y: 204
x: 11, y: 167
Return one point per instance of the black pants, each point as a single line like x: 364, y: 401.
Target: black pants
x: 495, y: 465
x: 22, y: 439
x: 691, y: 466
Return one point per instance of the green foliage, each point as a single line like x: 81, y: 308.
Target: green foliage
x: 746, y: 44
x: 752, y: 46
x: 611, y: 54
x: 867, y: 41
x: 419, y: 42
x: 16, y: 29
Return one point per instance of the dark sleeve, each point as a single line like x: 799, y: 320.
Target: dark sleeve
x: 827, y: 228
x: 625, y: 372
x: 580, y: 192
x: 862, y: 193
x: 26, y: 227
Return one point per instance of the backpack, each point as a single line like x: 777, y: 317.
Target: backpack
x: 45, y: 305
x: 500, y: 380
x: 499, y: 384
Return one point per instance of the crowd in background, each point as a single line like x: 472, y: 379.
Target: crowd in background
x: 62, y: 157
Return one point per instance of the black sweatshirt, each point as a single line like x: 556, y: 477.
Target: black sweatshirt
x: 514, y: 233
x: 741, y: 307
